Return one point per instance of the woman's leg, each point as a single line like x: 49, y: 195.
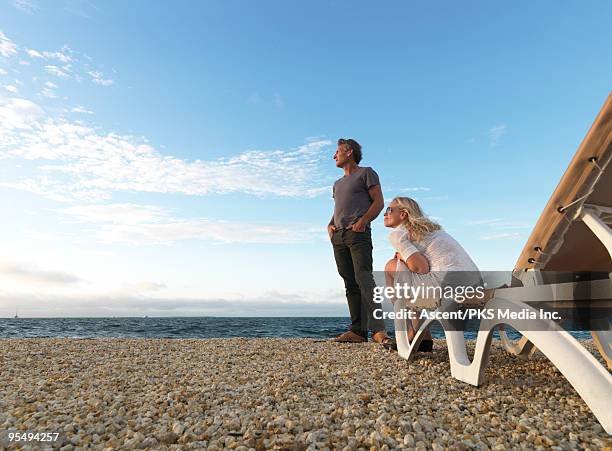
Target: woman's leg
x: 390, y: 272
x: 391, y: 268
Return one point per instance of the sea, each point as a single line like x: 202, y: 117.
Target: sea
x: 197, y: 327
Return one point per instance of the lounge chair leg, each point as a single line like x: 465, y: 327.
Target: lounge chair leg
x: 589, y: 378
x: 405, y: 348
x: 603, y: 342
x: 590, y: 216
x: 401, y: 331
x: 521, y: 348
x: 461, y: 368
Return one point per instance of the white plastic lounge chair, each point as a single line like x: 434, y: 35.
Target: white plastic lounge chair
x: 573, y: 234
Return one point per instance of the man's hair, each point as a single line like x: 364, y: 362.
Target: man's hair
x: 354, y: 146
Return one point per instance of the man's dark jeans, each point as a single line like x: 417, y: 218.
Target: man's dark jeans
x: 353, y: 253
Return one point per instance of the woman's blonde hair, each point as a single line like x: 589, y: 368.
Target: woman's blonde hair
x: 416, y: 221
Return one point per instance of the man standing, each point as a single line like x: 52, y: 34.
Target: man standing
x: 358, y: 201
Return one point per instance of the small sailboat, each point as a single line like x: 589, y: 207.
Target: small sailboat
x: 16, y: 315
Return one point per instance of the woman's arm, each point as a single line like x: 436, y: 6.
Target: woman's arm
x: 417, y: 263
x: 408, y: 253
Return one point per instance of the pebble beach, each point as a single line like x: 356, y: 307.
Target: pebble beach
x: 290, y: 394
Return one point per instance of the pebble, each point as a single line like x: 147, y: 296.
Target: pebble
x: 246, y: 394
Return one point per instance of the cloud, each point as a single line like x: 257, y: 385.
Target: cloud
x: 416, y: 192
x: 496, y: 133
x: 18, y: 113
x: 513, y: 225
x: 436, y: 198
x: 278, y: 101
x: 34, y: 53
x: 27, y: 6
x: 16, y: 116
x: 81, y: 109
x: 7, y: 47
x: 116, y: 213
x: 60, y: 56
x: 414, y: 189
x: 500, y: 224
x: 49, y: 90
x: 136, y: 304
x: 81, y: 8
x: 98, y: 78
x: 30, y: 273
x: 48, y: 93
x: 135, y: 224
x: 11, y: 88
x: 275, y: 100
x: 208, y: 230
x: 57, y: 71
x: 79, y: 162
x: 72, y: 161
x: 3, y: 72
x: 146, y: 286
x: 254, y: 99
x: 64, y: 63
x: 501, y: 236
x: 485, y: 221
x: 63, y: 56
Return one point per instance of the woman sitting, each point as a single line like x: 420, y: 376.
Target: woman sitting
x: 424, y: 255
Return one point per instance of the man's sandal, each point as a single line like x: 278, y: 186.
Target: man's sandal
x: 350, y: 337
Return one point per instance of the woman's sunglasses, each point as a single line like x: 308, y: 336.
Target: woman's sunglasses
x: 388, y: 210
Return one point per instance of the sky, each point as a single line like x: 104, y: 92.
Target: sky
x: 170, y: 159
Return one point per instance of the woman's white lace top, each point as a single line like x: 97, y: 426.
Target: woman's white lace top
x: 442, y: 251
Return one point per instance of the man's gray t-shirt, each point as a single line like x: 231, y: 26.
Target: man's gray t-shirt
x: 351, y: 195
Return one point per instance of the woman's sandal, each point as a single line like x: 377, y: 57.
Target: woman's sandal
x: 386, y: 341
x: 425, y: 346
x: 391, y: 345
